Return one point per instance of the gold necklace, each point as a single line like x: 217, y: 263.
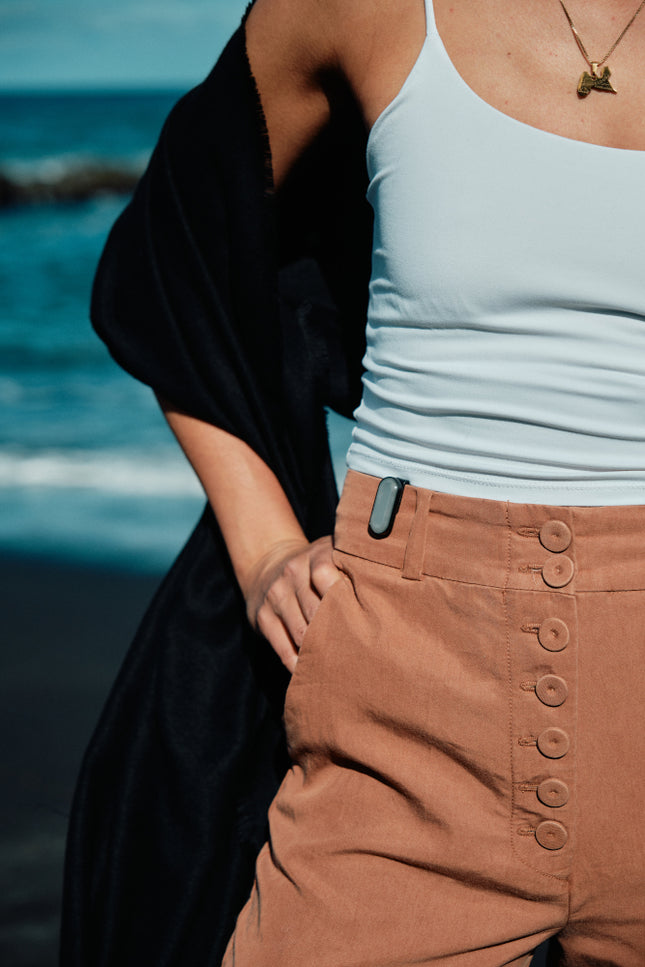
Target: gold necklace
x: 597, y: 81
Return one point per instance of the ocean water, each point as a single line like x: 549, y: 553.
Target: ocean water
x: 88, y: 469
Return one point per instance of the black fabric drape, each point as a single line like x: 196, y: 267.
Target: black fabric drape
x: 247, y: 310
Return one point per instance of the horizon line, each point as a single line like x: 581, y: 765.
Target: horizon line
x: 96, y: 88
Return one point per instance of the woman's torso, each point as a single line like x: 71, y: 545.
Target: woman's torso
x: 506, y: 328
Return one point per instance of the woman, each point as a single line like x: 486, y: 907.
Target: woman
x: 457, y: 697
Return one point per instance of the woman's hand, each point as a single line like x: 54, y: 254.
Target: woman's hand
x: 283, y: 592
x: 282, y: 576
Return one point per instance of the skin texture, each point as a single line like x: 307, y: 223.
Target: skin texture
x: 520, y: 58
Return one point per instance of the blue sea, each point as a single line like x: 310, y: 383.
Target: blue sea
x: 89, y: 472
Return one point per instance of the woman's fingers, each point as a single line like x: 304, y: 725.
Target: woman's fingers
x: 274, y: 631
x: 309, y: 600
x: 323, y: 571
x: 286, y: 592
x: 282, y: 600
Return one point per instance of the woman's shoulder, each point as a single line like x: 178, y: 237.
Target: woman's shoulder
x: 299, y: 48
x: 319, y: 33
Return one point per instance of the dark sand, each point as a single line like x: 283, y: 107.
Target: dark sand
x: 65, y: 630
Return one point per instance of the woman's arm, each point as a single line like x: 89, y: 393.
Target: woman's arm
x: 282, y: 576
x: 294, y: 47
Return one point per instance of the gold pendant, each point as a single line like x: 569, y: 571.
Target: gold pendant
x: 595, y: 81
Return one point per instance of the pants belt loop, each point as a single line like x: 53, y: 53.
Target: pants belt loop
x: 415, y: 548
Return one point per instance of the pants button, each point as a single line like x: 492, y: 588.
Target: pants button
x: 555, y: 536
x: 551, y: 835
x: 552, y: 690
x: 553, y: 792
x: 553, y: 743
x: 558, y: 571
x: 553, y: 634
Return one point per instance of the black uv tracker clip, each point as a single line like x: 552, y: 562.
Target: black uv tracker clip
x: 386, y: 504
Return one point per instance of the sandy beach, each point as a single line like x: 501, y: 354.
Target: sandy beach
x: 65, y: 630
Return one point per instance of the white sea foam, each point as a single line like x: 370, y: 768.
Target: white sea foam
x: 50, y: 168
x: 134, y: 474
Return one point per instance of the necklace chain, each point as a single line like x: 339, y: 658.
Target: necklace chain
x: 596, y: 64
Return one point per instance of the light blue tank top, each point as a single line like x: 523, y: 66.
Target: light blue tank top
x: 506, y: 323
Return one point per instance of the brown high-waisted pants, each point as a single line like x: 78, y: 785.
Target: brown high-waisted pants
x: 467, y: 732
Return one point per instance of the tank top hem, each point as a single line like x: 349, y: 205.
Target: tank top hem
x: 576, y: 493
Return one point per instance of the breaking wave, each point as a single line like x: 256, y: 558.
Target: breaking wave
x: 134, y: 474
x: 67, y: 178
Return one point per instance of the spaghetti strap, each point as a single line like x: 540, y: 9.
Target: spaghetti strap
x: 431, y: 23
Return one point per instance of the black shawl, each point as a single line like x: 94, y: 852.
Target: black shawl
x: 246, y: 309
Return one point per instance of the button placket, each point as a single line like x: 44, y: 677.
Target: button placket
x: 546, y: 654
